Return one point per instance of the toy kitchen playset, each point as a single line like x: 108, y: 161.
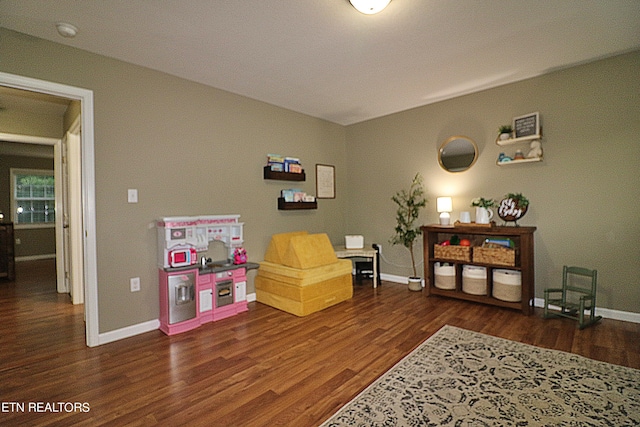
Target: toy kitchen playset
x: 195, y: 292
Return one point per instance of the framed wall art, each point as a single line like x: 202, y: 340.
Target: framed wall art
x: 527, y: 125
x: 325, y: 181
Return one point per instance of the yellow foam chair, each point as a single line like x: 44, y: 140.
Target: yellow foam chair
x: 301, y: 274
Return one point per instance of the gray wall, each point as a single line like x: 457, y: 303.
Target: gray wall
x: 191, y: 150
x: 584, y: 195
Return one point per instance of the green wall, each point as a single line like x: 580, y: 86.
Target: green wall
x: 584, y: 195
x: 190, y: 149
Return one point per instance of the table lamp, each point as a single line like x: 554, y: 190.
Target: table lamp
x: 444, y: 205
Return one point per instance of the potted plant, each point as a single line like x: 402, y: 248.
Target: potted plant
x: 520, y: 200
x: 483, y: 211
x: 406, y: 232
x: 505, y: 132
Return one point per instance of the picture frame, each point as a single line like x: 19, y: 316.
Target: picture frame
x: 325, y: 181
x: 526, y: 125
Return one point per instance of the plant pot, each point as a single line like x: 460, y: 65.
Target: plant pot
x: 504, y: 136
x: 415, y: 283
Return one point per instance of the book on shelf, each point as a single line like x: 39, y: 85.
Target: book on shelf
x: 279, y: 163
x: 291, y: 195
x: 276, y: 167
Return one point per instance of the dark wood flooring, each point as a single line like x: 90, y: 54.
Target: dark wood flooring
x: 260, y: 368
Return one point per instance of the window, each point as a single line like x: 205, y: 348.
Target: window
x: 33, y: 198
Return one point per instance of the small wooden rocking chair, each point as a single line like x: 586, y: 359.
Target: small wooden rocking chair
x: 570, y: 307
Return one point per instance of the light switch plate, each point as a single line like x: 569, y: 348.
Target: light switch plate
x: 134, y: 283
x: 132, y: 195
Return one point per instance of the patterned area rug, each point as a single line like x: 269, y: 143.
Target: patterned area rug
x: 464, y: 378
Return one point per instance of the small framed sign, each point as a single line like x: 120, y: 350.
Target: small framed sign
x: 527, y: 125
x: 325, y: 182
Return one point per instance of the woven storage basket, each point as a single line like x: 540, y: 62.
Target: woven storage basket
x: 445, y: 276
x: 507, y: 285
x: 457, y: 253
x: 474, y: 280
x: 496, y: 256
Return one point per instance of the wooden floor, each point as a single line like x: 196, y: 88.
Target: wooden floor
x: 260, y: 368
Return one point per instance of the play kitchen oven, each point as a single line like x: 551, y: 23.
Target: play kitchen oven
x: 190, y: 297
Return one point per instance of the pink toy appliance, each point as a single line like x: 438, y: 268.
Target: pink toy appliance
x: 182, y: 257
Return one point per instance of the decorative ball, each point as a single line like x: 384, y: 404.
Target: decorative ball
x: 510, y: 210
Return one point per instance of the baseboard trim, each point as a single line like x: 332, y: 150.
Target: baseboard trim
x: 607, y: 313
x: 128, y: 332
x: 140, y: 328
x: 34, y: 257
x: 393, y: 278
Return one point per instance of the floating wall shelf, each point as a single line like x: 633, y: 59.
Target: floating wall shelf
x: 512, y: 141
x: 513, y: 162
x: 290, y: 206
x: 283, y: 176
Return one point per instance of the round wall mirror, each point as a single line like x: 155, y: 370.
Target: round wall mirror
x: 458, y: 153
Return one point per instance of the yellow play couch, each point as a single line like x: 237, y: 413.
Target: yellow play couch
x: 301, y: 274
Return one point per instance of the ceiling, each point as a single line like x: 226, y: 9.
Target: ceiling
x: 325, y: 59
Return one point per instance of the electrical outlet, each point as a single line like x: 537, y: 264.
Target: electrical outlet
x: 134, y: 282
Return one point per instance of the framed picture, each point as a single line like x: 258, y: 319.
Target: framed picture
x: 325, y: 182
x: 527, y: 125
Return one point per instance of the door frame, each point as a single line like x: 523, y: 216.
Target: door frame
x: 85, y: 96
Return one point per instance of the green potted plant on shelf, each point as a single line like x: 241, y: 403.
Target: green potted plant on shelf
x: 406, y: 231
x: 505, y: 132
x: 483, y: 211
x: 519, y: 198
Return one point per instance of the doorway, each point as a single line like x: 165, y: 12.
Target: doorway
x: 86, y: 188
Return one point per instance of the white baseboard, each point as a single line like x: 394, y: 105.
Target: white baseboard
x: 128, y: 332
x: 140, y: 328
x: 34, y: 257
x: 606, y: 313
x: 393, y: 278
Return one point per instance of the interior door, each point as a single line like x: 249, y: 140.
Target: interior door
x: 62, y: 216
x: 75, y: 246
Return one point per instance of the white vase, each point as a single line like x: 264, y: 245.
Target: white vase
x: 483, y: 215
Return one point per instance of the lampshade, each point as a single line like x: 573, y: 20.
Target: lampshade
x: 369, y: 7
x: 444, y: 204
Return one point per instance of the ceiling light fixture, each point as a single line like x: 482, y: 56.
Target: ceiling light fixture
x: 66, y: 30
x: 369, y: 7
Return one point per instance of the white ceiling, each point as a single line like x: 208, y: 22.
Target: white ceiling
x: 325, y: 59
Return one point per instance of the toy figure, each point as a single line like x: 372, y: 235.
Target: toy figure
x: 536, y: 150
